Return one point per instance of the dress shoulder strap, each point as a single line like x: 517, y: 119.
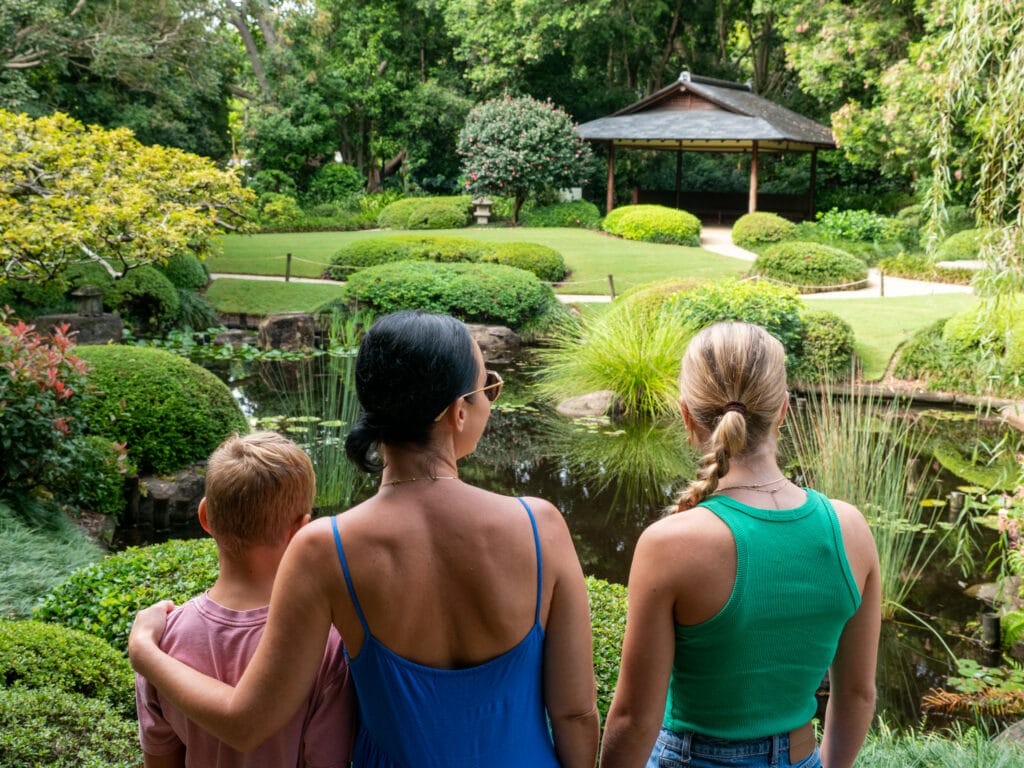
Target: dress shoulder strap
x: 348, y: 576
x: 540, y: 559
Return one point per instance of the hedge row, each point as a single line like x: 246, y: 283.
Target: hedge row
x: 426, y: 213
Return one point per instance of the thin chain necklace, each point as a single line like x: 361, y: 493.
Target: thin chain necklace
x: 759, y: 487
x: 415, y: 479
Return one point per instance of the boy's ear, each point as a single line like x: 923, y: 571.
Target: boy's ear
x: 203, y: 521
x: 297, y: 524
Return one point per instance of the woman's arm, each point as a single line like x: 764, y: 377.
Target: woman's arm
x: 570, y: 695
x: 281, y: 672
x: 648, y: 650
x: 851, y: 704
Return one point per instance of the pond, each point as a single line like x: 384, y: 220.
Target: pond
x: 527, y: 450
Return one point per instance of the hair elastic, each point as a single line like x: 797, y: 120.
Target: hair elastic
x: 734, y: 405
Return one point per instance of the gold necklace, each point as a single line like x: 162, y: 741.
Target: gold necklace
x: 414, y: 479
x: 760, y: 487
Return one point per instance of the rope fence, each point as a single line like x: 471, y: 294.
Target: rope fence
x: 856, y: 285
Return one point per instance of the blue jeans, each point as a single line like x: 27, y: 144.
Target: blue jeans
x: 691, y: 750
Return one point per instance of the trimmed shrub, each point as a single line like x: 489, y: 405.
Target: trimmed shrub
x: 651, y: 298
x: 775, y: 308
x: 828, y: 346
x: 53, y: 728
x: 653, y: 224
x: 867, y: 251
x: 335, y: 181
x: 34, y: 654
x: 94, y: 480
x: 186, y: 272
x: 145, y: 298
x: 546, y: 263
x: 608, y: 621
x: 371, y: 251
x: 811, y: 267
x: 997, y: 330
x: 754, y: 229
x: 426, y: 213
x: 103, y: 598
x: 918, y: 266
x: 578, y: 213
x: 279, y: 211
x: 860, y: 225
x: 481, y: 293
x: 167, y: 410
x: 963, y: 246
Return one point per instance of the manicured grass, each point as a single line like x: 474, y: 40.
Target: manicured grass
x: 262, y: 297
x: 880, y: 325
x: 591, y: 256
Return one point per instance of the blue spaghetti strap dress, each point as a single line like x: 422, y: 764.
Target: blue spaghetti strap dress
x: 489, y: 715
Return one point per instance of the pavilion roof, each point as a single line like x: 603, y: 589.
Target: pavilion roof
x: 704, y: 114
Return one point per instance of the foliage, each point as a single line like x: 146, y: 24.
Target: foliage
x: 34, y: 654
x: 479, y: 293
x: 41, y: 387
x: 546, y: 263
x: 579, y: 213
x: 866, y: 251
x: 168, y: 411
x: 758, y: 228
x: 145, y: 298
x: 995, y: 327
x: 426, y: 213
x: 95, y: 479
x: 863, y: 451
x: 102, y: 599
x: 631, y: 352
x: 920, y: 267
x: 186, y: 272
x: 608, y: 623
x: 272, y: 181
x: 371, y: 251
x: 521, y: 147
x: 335, y: 181
x: 810, y: 267
x: 860, y: 225
x: 827, y: 351
x: 652, y: 297
x: 195, y: 312
x: 278, y: 211
x: 973, y: 748
x: 653, y: 224
x: 961, y: 246
x: 774, y: 307
x: 51, y: 727
x: 36, y: 558
x: 72, y: 194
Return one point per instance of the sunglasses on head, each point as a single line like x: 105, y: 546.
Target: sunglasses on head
x: 493, y: 384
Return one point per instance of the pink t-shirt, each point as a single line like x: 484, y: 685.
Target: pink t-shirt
x: 220, y: 642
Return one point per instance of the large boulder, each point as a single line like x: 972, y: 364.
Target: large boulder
x: 497, y: 343
x: 89, y: 329
x: 287, y: 331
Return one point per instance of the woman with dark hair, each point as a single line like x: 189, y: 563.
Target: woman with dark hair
x: 464, y: 612
x: 740, y: 603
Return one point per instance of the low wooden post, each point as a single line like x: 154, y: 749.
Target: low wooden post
x: 288, y: 268
x: 881, y: 283
x: 611, y: 286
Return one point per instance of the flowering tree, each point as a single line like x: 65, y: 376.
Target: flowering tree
x: 515, y: 147
x: 70, y: 193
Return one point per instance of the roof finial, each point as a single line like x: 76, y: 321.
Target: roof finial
x: 684, y: 76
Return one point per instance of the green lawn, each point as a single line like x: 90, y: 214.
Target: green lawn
x: 262, y: 297
x: 591, y: 256
x: 882, y: 324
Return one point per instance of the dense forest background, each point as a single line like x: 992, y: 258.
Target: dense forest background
x: 291, y: 85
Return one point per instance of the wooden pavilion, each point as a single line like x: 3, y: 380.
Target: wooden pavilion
x: 702, y: 114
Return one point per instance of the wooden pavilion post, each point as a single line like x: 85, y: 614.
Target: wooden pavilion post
x: 752, y: 202
x: 814, y: 181
x: 679, y: 175
x: 611, y: 177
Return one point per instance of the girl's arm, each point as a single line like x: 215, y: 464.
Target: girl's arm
x: 570, y: 695
x: 282, y: 671
x: 648, y: 650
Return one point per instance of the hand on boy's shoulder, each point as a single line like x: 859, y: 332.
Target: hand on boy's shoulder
x: 149, y: 625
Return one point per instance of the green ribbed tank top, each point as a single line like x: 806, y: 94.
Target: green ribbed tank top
x: 752, y: 669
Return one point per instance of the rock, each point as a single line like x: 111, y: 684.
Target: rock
x: 236, y: 338
x: 172, y: 500
x: 1014, y: 733
x: 1014, y: 415
x: 497, y: 343
x: 598, y: 403
x: 288, y: 331
x: 92, y: 329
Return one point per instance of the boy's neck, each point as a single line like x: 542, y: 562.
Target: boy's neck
x: 246, y: 580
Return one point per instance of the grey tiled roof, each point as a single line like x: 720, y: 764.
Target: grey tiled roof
x: 737, y: 117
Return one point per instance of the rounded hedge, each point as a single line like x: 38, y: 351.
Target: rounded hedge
x: 608, y: 623
x: 828, y: 346
x: 578, y: 213
x: 653, y: 224
x: 168, y: 410
x: 53, y: 728
x: 963, y: 246
x: 758, y: 228
x: 102, y: 598
x: 653, y: 297
x: 186, y: 272
x: 481, y: 293
x: 34, y: 654
x: 426, y: 213
x: 546, y: 263
x: 811, y: 267
x: 372, y: 251
x: 144, y: 297
x: 997, y: 331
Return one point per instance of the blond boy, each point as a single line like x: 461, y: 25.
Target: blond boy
x: 259, y: 493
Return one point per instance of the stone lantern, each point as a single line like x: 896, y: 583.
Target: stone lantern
x: 89, y: 299
x: 483, y: 210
